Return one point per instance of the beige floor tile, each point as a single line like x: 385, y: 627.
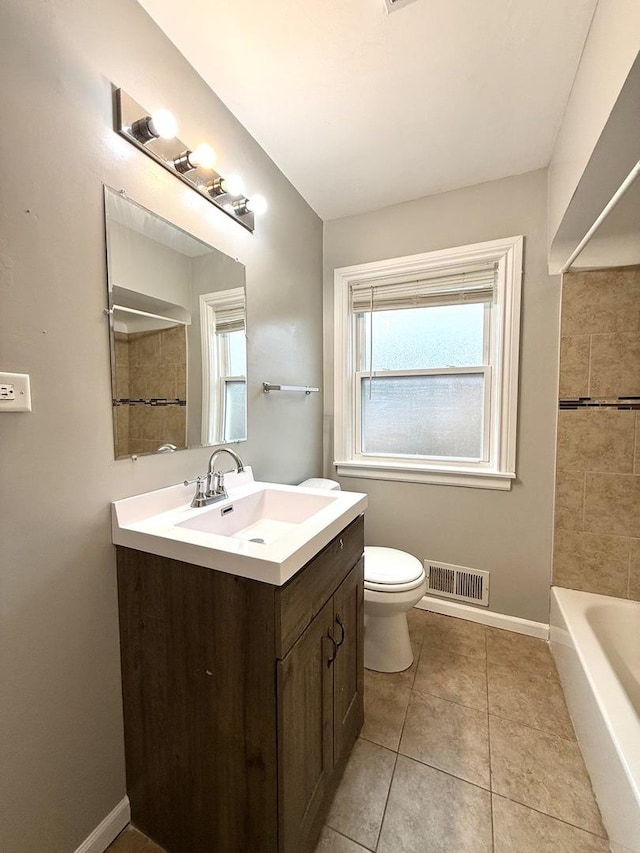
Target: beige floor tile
x: 454, y: 677
x: 528, y: 698
x: 544, y: 772
x: 520, y: 651
x: 406, y: 676
x: 431, y: 811
x: 385, y: 706
x: 417, y: 621
x: 358, y: 806
x: 333, y: 842
x: 437, y: 620
x: 132, y: 841
x: 518, y: 828
x: 448, y: 736
x: 461, y: 638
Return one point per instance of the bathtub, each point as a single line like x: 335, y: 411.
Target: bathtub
x: 595, y: 640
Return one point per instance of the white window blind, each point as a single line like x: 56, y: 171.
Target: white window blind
x: 462, y: 286
x: 230, y: 318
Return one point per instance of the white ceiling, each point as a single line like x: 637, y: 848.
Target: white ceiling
x: 361, y: 109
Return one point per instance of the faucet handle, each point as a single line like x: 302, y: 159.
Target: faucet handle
x: 199, y: 498
x: 216, y: 488
x: 199, y: 479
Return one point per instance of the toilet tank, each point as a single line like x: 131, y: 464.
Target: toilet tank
x: 321, y: 483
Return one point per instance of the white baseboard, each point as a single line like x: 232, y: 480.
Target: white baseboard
x: 108, y: 829
x: 485, y: 617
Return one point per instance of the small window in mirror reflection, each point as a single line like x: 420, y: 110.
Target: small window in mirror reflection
x: 224, y: 400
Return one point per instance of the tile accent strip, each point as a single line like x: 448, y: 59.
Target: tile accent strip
x: 622, y: 403
x: 153, y: 401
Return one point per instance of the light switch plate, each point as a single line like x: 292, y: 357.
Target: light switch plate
x: 15, y: 392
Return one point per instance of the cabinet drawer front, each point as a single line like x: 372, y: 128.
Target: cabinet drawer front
x: 305, y: 594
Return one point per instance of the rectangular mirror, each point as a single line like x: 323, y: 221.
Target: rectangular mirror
x: 177, y: 308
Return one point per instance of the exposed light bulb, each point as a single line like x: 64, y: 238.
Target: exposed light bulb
x: 228, y: 207
x: 257, y: 204
x: 203, y: 155
x: 234, y: 185
x: 163, y: 124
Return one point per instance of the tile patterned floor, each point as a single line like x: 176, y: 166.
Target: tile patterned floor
x: 471, y: 750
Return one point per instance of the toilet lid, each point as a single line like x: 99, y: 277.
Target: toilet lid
x: 388, y: 566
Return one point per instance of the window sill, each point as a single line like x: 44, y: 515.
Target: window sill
x: 471, y: 478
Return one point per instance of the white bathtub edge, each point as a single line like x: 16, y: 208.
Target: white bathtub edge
x: 616, y: 798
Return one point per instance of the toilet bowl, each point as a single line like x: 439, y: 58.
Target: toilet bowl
x: 394, y: 582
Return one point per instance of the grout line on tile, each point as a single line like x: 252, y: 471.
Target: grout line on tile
x: 552, y: 816
x: 528, y: 670
x: 486, y: 677
x: 446, y: 772
x: 536, y: 729
x: 386, y: 802
x: 427, y: 692
x: 584, y: 500
x: 349, y: 838
x: 406, y: 710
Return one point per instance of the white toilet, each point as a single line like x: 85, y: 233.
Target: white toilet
x: 394, y: 582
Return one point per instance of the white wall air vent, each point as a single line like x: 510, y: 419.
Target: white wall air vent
x: 457, y: 582
x: 392, y: 5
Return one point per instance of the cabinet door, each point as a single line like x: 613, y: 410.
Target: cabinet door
x: 305, y: 731
x: 348, y: 674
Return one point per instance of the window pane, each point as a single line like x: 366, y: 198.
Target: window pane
x: 235, y: 414
x: 423, y: 415
x: 237, y: 353
x: 439, y: 336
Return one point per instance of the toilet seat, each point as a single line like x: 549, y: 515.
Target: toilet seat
x: 389, y: 570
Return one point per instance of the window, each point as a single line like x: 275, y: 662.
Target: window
x: 426, y: 365
x: 224, y: 362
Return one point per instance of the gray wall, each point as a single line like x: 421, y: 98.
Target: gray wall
x: 61, y: 729
x: 143, y: 265
x: 507, y: 533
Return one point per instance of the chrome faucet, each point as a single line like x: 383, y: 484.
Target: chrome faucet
x: 215, y: 479
x: 215, y: 489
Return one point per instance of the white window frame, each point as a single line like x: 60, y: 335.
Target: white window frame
x: 501, y: 404
x: 215, y: 361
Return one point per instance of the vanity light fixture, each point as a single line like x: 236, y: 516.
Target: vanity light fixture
x: 233, y: 185
x: 160, y: 125
x: 155, y: 134
x: 256, y: 204
x: 203, y: 156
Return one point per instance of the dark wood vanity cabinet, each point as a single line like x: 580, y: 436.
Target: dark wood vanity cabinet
x: 242, y: 700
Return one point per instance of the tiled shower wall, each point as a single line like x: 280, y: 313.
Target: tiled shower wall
x: 597, y: 511
x: 150, y: 366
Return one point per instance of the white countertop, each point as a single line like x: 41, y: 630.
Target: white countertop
x: 150, y: 522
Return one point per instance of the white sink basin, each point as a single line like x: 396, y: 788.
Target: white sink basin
x: 264, y: 531
x: 262, y: 516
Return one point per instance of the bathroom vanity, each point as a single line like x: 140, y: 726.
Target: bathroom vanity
x: 242, y: 698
